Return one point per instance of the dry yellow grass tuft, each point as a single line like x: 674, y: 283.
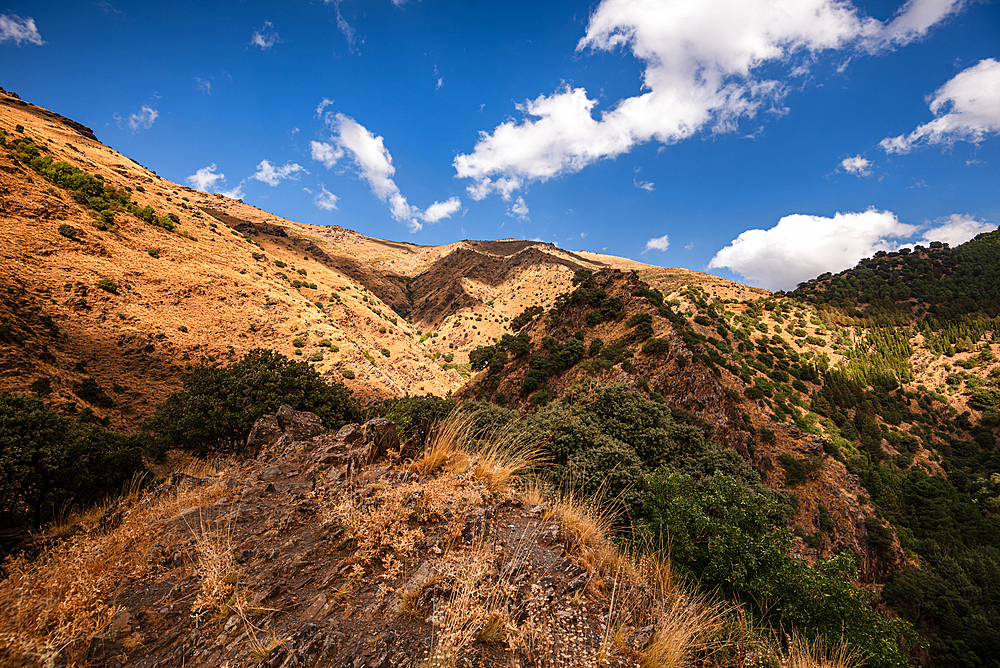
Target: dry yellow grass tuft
x: 586, y: 526
x: 801, y: 653
x: 56, y: 603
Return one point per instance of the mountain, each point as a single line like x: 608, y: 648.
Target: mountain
x: 174, y: 277
x: 823, y: 460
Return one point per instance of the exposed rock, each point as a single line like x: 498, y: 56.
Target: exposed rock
x: 380, y: 435
x: 299, y: 425
x: 265, y: 432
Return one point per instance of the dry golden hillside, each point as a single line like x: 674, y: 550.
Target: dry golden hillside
x: 387, y: 318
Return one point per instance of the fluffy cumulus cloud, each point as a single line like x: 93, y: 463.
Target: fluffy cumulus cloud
x: 703, y: 62
x: 206, y: 178
x: 374, y: 164
x: 518, y: 209
x: 328, y: 154
x: 956, y: 229
x: 19, y: 30
x: 657, y: 243
x: 272, y: 176
x: 325, y: 199
x: 264, y: 38
x: 967, y: 108
x: 857, y: 165
x: 801, y: 247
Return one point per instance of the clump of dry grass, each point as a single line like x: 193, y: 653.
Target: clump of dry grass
x: 56, y: 603
x: 495, y: 454
x: 799, y: 652
x: 586, y: 526
x: 385, y: 524
x: 216, y: 568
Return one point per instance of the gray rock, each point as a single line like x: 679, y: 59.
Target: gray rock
x: 350, y: 433
x: 270, y: 473
x: 265, y: 432
x: 381, y: 436
x: 299, y: 425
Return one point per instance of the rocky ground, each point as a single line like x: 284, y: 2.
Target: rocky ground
x: 324, y: 550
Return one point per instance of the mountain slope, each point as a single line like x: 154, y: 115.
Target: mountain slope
x: 190, y: 277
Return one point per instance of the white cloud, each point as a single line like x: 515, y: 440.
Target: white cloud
x: 264, y: 38
x: 801, y: 246
x: 441, y: 210
x: 140, y: 120
x: 205, y: 179
x: 235, y: 193
x: 956, y: 229
x: 703, y: 62
x: 967, y: 109
x: 913, y: 21
x: 857, y: 165
x: 374, y: 165
x: 325, y: 199
x: 342, y: 23
x: 440, y: 83
x: 518, y: 210
x: 648, y: 186
x: 271, y: 175
x: 328, y: 154
x: 657, y: 243
x: 204, y: 85
x: 323, y: 105
x: 19, y: 30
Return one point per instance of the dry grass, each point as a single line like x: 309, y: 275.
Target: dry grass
x: 216, y: 569
x: 495, y: 454
x: 801, y: 653
x: 55, y: 604
x: 446, y: 447
x: 586, y: 526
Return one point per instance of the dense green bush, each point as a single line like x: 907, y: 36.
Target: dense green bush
x: 218, y: 405
x: 730, y: 535
x: 407, y: 412
x: 49, y: 462
x: 611, y: 442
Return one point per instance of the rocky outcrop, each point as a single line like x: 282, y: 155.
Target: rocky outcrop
x: 332, y: 556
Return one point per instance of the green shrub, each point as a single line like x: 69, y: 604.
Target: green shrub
x: 68, y: 231
x: 385, y: 352
x: 798, y: 470
x: 182, y: 328
x: 347, y: 373
x: 407, y: 412
x: 655, y: 346
x: 49, y: 462
x: 41, y: 386
x: 730, y: 535
x: 316, y: 357
x: 218, y: 405
x: 153, y: 252
x: 108, y: 285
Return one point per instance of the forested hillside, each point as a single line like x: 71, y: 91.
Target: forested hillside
x: 910, y: 409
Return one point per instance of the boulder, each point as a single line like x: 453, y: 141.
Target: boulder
x: 299, y: 425
x: 380, y: 435
x: 265, y: 432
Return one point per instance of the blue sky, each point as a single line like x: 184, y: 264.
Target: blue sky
x: 762, y: 140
